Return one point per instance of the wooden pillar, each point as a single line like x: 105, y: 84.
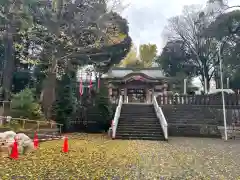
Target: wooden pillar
x: 151, y: 95
x: 125, y: 95
x: 110, y: 87
x: 147, y: 94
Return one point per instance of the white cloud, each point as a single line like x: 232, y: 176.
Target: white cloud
x: 147, y: 19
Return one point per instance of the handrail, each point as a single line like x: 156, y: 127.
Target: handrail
x: 116, y: 117
x: 161, y: 118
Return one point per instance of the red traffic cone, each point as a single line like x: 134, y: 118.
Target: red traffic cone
x: 65, y: 145
x: 14, y: 152
x: 35, y: 141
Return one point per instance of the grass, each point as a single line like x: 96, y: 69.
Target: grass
x: 97, y: 157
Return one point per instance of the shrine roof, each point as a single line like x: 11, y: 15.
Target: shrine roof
x: 119, y: 73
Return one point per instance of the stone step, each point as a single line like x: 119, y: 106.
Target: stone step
x: 138, y: 119
x: 137, y: 105
x: 137, y: 109
x: 138, y: 112
x: 138, y: 116
x: 139, y: 122
x: 134, y: 130
x: 152, y: 124
x: 154, y: 138
x: 140, y: 134
x: 139, y: 131
x: 139, y: 126
x: 141, y: 119
x: 149, y: 124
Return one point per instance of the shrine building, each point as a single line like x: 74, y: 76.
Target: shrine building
x: 136, y: 85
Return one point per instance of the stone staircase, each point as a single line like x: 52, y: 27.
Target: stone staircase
x: 190, y: 120
x: 139, y: 121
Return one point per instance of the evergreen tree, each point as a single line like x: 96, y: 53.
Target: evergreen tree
x: 66, y: 101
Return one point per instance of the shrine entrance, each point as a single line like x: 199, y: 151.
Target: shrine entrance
x: 136, y: 95
x: 135, y: 86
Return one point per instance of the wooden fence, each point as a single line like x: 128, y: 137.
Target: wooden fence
x: 27, y: 124
x: 230, y: 100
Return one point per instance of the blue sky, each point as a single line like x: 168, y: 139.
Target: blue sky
x: 147, y: 18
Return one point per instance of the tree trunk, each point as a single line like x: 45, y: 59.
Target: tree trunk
x: 205, y: 77
x: 48, y: 92
x: 9, y: 64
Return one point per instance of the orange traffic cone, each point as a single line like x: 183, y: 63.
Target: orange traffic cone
x: 14, y: 153
x: 65, y: 145
x: 35, y: 140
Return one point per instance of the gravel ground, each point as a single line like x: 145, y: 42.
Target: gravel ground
x: 97, y: 157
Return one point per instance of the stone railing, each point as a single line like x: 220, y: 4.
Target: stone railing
x: 161, y: 118
x: 116, y: 117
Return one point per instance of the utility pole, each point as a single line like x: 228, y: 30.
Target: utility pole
x: 223, y: 97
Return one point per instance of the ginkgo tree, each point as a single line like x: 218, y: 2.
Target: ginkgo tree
x: 147, y: 53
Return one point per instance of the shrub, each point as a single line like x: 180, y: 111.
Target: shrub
x: 24, y: 105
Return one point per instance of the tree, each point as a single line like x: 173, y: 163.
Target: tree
x: 131, y: 59
x: 226, y: 30
x: 174, y: 59
x: 25, y: 105
x: 65, y: 104
x: 80, y: 33
x: 147, y: 53
x: 235, y: 80
x: 48, y: 40
x: 15, y: 17
x: 201, y: 50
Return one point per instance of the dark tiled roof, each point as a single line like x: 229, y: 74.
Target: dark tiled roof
x: 122, y: 72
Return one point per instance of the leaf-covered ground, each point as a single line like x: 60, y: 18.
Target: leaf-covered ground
x: 96, y: 157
